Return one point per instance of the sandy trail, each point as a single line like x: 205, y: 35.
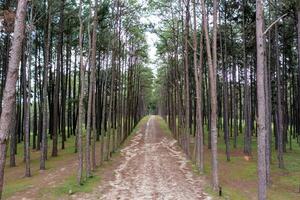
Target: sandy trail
x: 152, y: 167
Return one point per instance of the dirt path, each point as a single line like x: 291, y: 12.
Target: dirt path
x: 152, y: 167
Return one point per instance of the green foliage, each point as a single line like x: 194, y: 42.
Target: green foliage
x: 70, y: 186
x: 163, y: 125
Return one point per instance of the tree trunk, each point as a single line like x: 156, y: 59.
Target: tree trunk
x: 279, y: 104
x: 247, y: 93
x: 298, y: 40
x: 81, y: 97
x: 93, y: 82
x: 261, y: 101
x: 187, y: 82
x: 198, y: 81
x: 212, y: 64
x: 9, y: 93
x: 27, y: 94
x: 225, y: 88
x: 44, y: 142
x: 89, y: 107
x: 56, y: 117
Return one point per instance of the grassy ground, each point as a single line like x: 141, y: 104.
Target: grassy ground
x: 61, y: 171
x: 238, y: 178
x: 14, y: 177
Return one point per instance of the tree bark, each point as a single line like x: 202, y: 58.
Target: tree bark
x: 187, y: 81
x: 225, y: 87
x: 212, y: 64
x: 81, y: 97
x: 247, y: 93
x: 44, y: 143
x: 89, y: 107
x: 298, y: 42
x: 93, y: 80
x: 261, y: 101
x: 198, y: 81
x: 9, y: 94
x: 27, y: 94
x: 56, y: 117
x: 279, y: 104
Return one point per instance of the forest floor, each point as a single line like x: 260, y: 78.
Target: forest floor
x: 238, y: 177
x: 150, y: 165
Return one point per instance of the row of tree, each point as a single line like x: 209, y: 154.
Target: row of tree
x: 231, y: 68
x: 71, y: 70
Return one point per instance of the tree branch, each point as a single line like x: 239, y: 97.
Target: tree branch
x: 267, y: 30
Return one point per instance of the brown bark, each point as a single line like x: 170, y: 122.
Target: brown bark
x: 57, y: 82
x: 186, y: 80
x: 279, y: 104
x: 298, y: 33
x: 198, y: 81
x: 298, y: 47
x: 81, y: 96
x: 247, y: 94
x: 91, y: 101
x: 212, y: 64
x: 261, y: 101
x: 89, y: 108
x: 225, y: 87
x: 104, y: 103
x: 35, y: 103
x: 9, y: 94
x: 93, y: 80
x: 44, y: 143
x: 27, y: 94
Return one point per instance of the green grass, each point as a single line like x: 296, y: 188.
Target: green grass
x: 163, y: 125
x: 238, y: 178
x: 19, y: 186
x: 70, y: 186
x: 14, y: 181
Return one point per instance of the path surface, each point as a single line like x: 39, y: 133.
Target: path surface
x: 152, y: 167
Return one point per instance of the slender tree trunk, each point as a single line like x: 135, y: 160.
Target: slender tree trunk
x: 298, y: 42
x: 27, y: 94
x: 225, y: 88
x: 198, y: 81
x: 247, y: 94
x: 44, y: 142
x: 104, y: 103
x: 94, y: 49
x: 187, y: 82
x: 81, y: 97
x: 279, y: 104
x: 13, y: 141
x: 234, y: 103
x: 34, y: 136
x: 261, y: 101
x: 9, y: 93
x: 212, y: 64
x: 75, y: 107
x: 56, y: 117
x: 89, y: 108
x: 91, y: 101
